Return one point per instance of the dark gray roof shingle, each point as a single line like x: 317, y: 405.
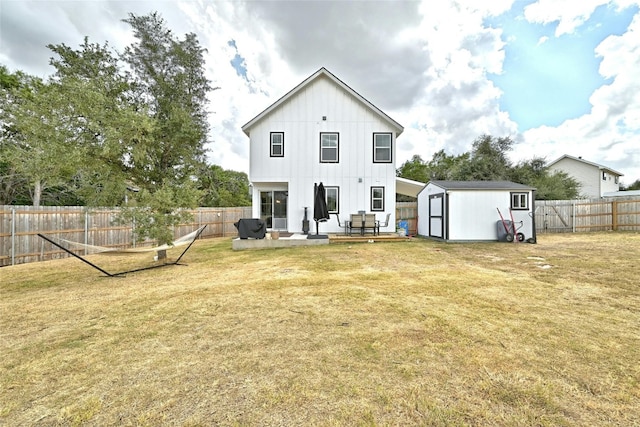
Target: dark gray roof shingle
x: 481, y: 185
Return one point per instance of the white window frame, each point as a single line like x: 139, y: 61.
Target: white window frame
x: 329, y: 144
x: 519, y: 201
x: 336, y: 196
x: 377, y: 201
x: 386, y: 145
x: 273, y: 144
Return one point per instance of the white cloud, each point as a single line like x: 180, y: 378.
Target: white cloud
x: 542, y: 40
x: 426, y: 64
x: 610, y: 133
x: 569, y: 14
x: 458, y: 102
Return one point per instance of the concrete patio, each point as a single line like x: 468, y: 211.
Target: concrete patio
x: 302, y: 240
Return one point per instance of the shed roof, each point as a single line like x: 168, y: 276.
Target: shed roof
x: 322, y: 72
x: 481, y: 185
x: 580, y: 159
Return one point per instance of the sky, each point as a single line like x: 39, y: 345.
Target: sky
x: 557, y: 76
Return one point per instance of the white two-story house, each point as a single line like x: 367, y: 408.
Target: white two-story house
x: 595, y: 180
x: 322, y: 131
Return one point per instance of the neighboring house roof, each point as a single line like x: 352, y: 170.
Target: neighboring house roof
x: 625, y: 193
x: 322, y: 72
x: 408, y: 187
x: 578, y: 159
x: 480, y: 185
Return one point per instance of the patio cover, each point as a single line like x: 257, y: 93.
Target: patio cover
x: 408, y: 187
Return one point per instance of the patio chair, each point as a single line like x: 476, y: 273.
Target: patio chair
x: 385, y: 224
x: 344, y: 225
x: 357, y: 221
x: 370, y: 222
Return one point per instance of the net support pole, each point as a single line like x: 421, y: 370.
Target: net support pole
x: 194, y: 239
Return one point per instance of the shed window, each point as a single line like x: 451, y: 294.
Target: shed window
x: 377, y: 199
x: 329, y: 146
x: 277, y: 144
x: 382, y: 148
x: 519, y: 201
x: 332, y: 194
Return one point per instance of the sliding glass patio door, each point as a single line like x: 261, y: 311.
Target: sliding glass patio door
x: 273, y: 209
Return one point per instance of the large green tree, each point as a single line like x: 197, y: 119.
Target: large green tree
x: 37, y: 136
x: 634, y: 186
x: 109, y: 124
x: 415, y: 168
x: 12, y: 184
x: 168, y: 80
x: 168, y: 76
x: 442, y: 166
x: 488, y: 159
x: 549, y: 185
x: 106, y: 123
x: 222, y: 187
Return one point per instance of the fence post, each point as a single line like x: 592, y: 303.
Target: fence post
x: 224, y: 225
x: 13, y: 236
x: 614, y: 215
x: 573, y: 217
x: 86, y: 230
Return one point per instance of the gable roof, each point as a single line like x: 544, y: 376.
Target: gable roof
x: 481, y: 185
x: 322, y: 72
x: 580, y: 159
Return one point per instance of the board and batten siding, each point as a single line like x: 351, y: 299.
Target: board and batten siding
x: 301, y: 119
x: 482, y: 223
x: 470, y: 214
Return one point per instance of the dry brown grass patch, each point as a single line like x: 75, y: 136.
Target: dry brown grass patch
x: 403, y: 333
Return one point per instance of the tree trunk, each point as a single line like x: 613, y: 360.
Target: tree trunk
x: 37, y: 192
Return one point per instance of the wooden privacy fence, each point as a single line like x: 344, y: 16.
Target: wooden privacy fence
x: 408, y: 211
x: 567, y: 216
x: 20, y: 225
x: 564, y: 216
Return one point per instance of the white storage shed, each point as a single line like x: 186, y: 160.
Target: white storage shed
x: 472, y: 210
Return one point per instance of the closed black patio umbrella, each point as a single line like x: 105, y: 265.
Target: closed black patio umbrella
x: 320, y: 211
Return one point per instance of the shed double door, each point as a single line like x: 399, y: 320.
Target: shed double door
x: 436, y: 215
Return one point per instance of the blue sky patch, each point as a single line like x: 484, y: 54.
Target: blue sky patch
x: 547, y: 79
x: 238, y: 62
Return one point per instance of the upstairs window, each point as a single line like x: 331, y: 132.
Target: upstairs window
x: 519, y: 201
x: 381, y: 148
x: 332, y: 194
x: 277, y: 144
x: 377, y: 199
x: 329, y: 146
x: 604, y: 176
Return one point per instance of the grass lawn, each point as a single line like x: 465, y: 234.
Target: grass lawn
x: 399, y: 333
